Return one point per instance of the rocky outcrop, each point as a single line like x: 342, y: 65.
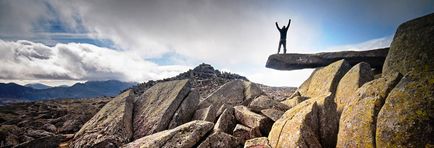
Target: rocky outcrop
x: 111, y: 126
x: 350, y: 82
x: 406, y: 119
x: 412, y: 47
x: 154, y: 109
x: 237, y: 92
x: 260, y: 142
x: 293, y: 61
x: 203, y: 78
x: 186, y: 135
x: 358, y: 120
x: 298, y: 127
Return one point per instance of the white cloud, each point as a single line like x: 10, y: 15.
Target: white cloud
x: 366, y: 45
x: 25, y: 60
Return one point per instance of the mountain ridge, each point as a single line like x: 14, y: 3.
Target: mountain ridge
x: 79, y: 90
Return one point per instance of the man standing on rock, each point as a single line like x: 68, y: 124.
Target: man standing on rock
x: 283, y: 32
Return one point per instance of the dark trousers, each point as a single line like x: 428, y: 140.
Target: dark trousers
x: 282, y: 42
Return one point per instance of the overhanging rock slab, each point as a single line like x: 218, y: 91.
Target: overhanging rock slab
x: 292, y: 61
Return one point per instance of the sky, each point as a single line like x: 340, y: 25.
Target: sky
x: 59, y: 42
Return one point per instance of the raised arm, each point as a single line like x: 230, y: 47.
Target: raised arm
x: 289, y: 23
x: 277, y: 25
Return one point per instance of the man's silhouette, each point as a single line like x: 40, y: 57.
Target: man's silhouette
x: 283, y: 31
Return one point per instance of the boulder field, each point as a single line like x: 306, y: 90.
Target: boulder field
x: 344, y: 103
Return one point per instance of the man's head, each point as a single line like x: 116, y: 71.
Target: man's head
x: 283, y: 27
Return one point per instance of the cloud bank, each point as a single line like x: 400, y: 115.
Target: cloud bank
x: 26, y: 60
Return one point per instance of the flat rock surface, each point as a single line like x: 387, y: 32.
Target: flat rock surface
x: 293, y: 61
x: 154, y: 109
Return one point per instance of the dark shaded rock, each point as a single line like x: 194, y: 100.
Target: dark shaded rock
x: 110, y: 127
x: 46, y: 142
x: 412, y: 47
x: 9, y: 135
x: 406, y: 118
x: 293, y: 61
x: 186, y: 110
x: 219, y: 140
x: 226, y: 122
x: 245, y: 133
x: 186, y: 135
x: 154, y: 109
x: 49, y: 127
x: 38, y: 133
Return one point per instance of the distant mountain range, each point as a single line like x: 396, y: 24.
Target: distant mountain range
x: 79, y: 90
x: 37, y: 86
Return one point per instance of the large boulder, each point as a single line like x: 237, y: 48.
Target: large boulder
x: 298, y: 127
x: 186, y: 135
x: 350, y: 82
x: 219, y: 140
x: 251, y: 91
x: 406, y: 119
x: 358, y: 120
x: 111, y: 126
x: 412, y: 47
x: 226, y: 122
x: 154, y: 109
x: 265, y: 102
x: 294, y: 61
x: 252, y: 120
x: 231, y: 93
x: 324, y: 80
